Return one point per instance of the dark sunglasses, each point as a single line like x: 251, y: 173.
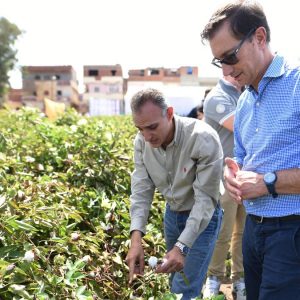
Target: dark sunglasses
x: 231, y: 58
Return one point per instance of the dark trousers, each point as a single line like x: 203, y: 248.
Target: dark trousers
x: 271, y: 253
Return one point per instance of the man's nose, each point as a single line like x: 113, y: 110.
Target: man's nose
x: 147, y: 135
x: 227, y: 69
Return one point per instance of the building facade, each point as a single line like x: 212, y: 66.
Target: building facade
x: 57, y: 83
x: 104, y: 89
x: 181, y: 86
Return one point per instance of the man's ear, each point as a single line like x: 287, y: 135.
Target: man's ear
x: 170, y: 112
x: 261, y: 36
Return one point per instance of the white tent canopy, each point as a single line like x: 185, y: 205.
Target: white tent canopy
x: 182, y: 98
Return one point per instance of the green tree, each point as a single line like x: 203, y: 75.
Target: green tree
x: 9, y: 33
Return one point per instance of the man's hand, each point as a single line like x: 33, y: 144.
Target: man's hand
x: 135, y: 257
x: 231, y: 183
x: 174, y: 262
x: 252, y: 184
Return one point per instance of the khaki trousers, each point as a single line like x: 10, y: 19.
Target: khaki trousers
x: 231, y: 233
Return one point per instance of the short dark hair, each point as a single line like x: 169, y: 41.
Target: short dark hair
x: 148, y: 95
x: 242, y: 15
x: 194, y: 111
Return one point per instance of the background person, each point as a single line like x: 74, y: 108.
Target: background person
x: 197, y: 112
x: 219, y: 109
x: 265, y: 174
x: 182, y: 158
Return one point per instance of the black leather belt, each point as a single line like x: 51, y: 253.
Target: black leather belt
x: 259, y: 219
x: 183, y: 212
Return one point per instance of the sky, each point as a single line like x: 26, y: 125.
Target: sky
x: 133, y: 33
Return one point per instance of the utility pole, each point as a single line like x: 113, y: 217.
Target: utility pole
x: 53, y: 83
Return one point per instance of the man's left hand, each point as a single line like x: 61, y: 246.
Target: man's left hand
x: 252, y: 184
x: 173, y: 262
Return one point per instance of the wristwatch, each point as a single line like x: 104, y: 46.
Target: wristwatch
x: 182, y: 247
x: 270, y: 179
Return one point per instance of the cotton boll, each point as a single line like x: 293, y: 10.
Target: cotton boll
x: 29, y: 256
x: 152, y: 262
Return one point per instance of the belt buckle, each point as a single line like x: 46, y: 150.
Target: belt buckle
x: 261, y: 220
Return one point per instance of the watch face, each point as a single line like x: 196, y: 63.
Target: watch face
x: 185, y: 250
x: 269, y: 177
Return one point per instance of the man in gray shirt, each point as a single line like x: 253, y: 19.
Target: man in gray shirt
x: 182, y: 158
x: 219, y: 110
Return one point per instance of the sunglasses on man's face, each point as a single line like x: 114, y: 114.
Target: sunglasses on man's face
x: 231, y: 58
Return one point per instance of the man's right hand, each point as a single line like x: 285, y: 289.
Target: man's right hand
x: 231, y: 183
x: 135, y: 257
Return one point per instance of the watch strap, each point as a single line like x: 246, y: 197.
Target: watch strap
x: 182, y: 247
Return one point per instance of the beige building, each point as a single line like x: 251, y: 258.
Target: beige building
x: 104, y: 89
x: 14, y: 98
x: 181, y: 86
x: 180, y: 76
x: 58, y: 83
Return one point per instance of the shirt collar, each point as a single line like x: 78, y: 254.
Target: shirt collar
x: 177, y: 132
x: 275, y: 69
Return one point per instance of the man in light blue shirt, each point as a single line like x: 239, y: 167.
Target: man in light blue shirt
x: 265, y: 174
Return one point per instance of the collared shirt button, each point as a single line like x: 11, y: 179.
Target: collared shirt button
x: 256, y: 129
x: 258, y: 103
x: 251, y: 203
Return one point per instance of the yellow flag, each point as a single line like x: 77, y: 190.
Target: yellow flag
x: 53, y: 109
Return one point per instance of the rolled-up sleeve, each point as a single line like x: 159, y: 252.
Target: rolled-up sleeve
x: 142, y: 190
x: 208, y: 154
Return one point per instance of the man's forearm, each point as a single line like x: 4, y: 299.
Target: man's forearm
x: 288, y: 181
x: 252, y: 185
x: 136, y: 237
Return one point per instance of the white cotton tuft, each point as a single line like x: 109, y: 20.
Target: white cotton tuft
x: 152, y: 261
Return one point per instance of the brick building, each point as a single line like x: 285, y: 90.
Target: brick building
x: 58, y: 83
x: 181, y: 86
x: 180, y: 76
x: 14, y: 98
x: 104, y: 89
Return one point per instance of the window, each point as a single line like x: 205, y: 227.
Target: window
x: 37, y: 77
x: 113, y: 72
x: 46, y: 93
x: 96, y: 89
x: 34, y: 93
x: 189, y: 71
x: 154, y: 72
x: 59, y: 93
x: 93, y: 72
x: 114, y: 89
x: 57, y: 77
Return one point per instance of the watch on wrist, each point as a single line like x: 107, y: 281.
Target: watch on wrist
x: 182, y: 247
x: 270, y: 179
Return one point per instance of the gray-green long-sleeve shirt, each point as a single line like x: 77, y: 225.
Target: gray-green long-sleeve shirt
x: 187, y: 174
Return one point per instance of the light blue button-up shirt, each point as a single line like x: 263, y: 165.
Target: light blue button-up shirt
x: 267, y: 133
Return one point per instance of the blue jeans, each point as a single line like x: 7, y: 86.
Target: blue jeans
x: 198, y: 258
x: 271, y: 252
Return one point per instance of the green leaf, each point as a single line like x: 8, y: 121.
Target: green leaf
x: 20, y: 290
x: 22, y: 225
x: 185, y: 279
x: 117, y: 259
x: 77, y: 275
x: 80, y: 290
